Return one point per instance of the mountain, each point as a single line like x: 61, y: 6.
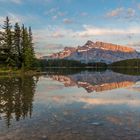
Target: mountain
x: 97, y: 52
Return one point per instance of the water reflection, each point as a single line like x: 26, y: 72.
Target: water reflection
x: 94, y: 81
x: 16, y: 97
x: 59, y: 112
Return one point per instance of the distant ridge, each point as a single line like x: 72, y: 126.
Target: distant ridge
x: 97, y: 52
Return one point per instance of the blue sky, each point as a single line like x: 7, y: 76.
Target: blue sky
x: 60, y: 23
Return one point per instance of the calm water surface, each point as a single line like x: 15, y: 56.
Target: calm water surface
x: 67, y: 105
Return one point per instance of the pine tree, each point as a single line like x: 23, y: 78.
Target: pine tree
x: 24, y: 43
x: 1, y: 47
x: 27, y: 49
x: 7, y: 38
x: 17, y: 45
x: 31, y: 48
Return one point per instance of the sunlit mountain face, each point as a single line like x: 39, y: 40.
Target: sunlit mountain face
x: 96, y: 81
x: 96, y: 52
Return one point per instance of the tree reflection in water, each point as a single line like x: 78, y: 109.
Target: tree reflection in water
x: 16, y: 97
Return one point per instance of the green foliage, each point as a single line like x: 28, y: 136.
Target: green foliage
x: 130, y: 63
x: 130, y: 66
x: 16, y: 47
x: 63, y: 63
x: 127, y: 71
x: 7, y: 42
x: 70, y: 71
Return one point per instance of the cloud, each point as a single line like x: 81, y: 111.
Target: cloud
x: 52, y: 32
x: 61, y: 14
x: 54, y: 17
x: 48, y: 49
x: 115, y: 12
x: 135, y: 45
x: 87, y: 31
x: 55, y: 13
x: 121, y: 12
x: 83, y: 14
x: 66, y: 36
x: 67, y: 21
x: 16, y: 1
x: 138, y: 5
x: 13, y: 1
x: 94, y: 31
x: 57, y: 34
x: 51, y: 11
x: 130, y: 13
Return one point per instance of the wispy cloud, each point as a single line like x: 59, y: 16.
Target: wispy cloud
x: 115, y: 12
x: 48, y: 49
x: 21, y: 19
x: 83, y: 14
x: 16, y: 1
x: 55, y: 13
x: 136, y: 45
x: 51, y: 11
x: 59, y: 34
x: 94, y: 30
x: 67, y: 21
x: 87, y: 31
x: 121, y: 12
x: 13, y: 1
x: 54, y: 17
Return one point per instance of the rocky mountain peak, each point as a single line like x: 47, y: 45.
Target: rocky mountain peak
x: 89, y: 42
x: 106, y: 46
x: 114, y: 47
x: 97, y: 52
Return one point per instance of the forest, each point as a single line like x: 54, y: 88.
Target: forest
x: 16, y: 46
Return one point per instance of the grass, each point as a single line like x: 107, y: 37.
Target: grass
x: 14, y: 71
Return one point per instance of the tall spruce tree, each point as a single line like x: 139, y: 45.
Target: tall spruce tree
x: 31, y: 52
x: 17, y: 45
x: 8, y: 45
x: 24, y: 44
x: 27, y: 48
x: 1, y: 47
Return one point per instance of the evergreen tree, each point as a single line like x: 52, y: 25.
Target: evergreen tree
x: 27, y: 48
x: 24, y: 45
x: 31, y: 55
x: 2, y: 53
x: 17, y: 45
x: 7, y: 38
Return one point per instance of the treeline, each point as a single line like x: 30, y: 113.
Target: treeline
x: 129, y: 63
x: 68, y: 63
x: 16, y: 46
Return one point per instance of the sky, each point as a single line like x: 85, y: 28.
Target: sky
x: 60, y: 23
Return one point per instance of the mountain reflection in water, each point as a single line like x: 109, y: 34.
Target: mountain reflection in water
x: 96, y: 81
x: 53, y: 107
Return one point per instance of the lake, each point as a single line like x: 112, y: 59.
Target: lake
x: 71, y: 105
